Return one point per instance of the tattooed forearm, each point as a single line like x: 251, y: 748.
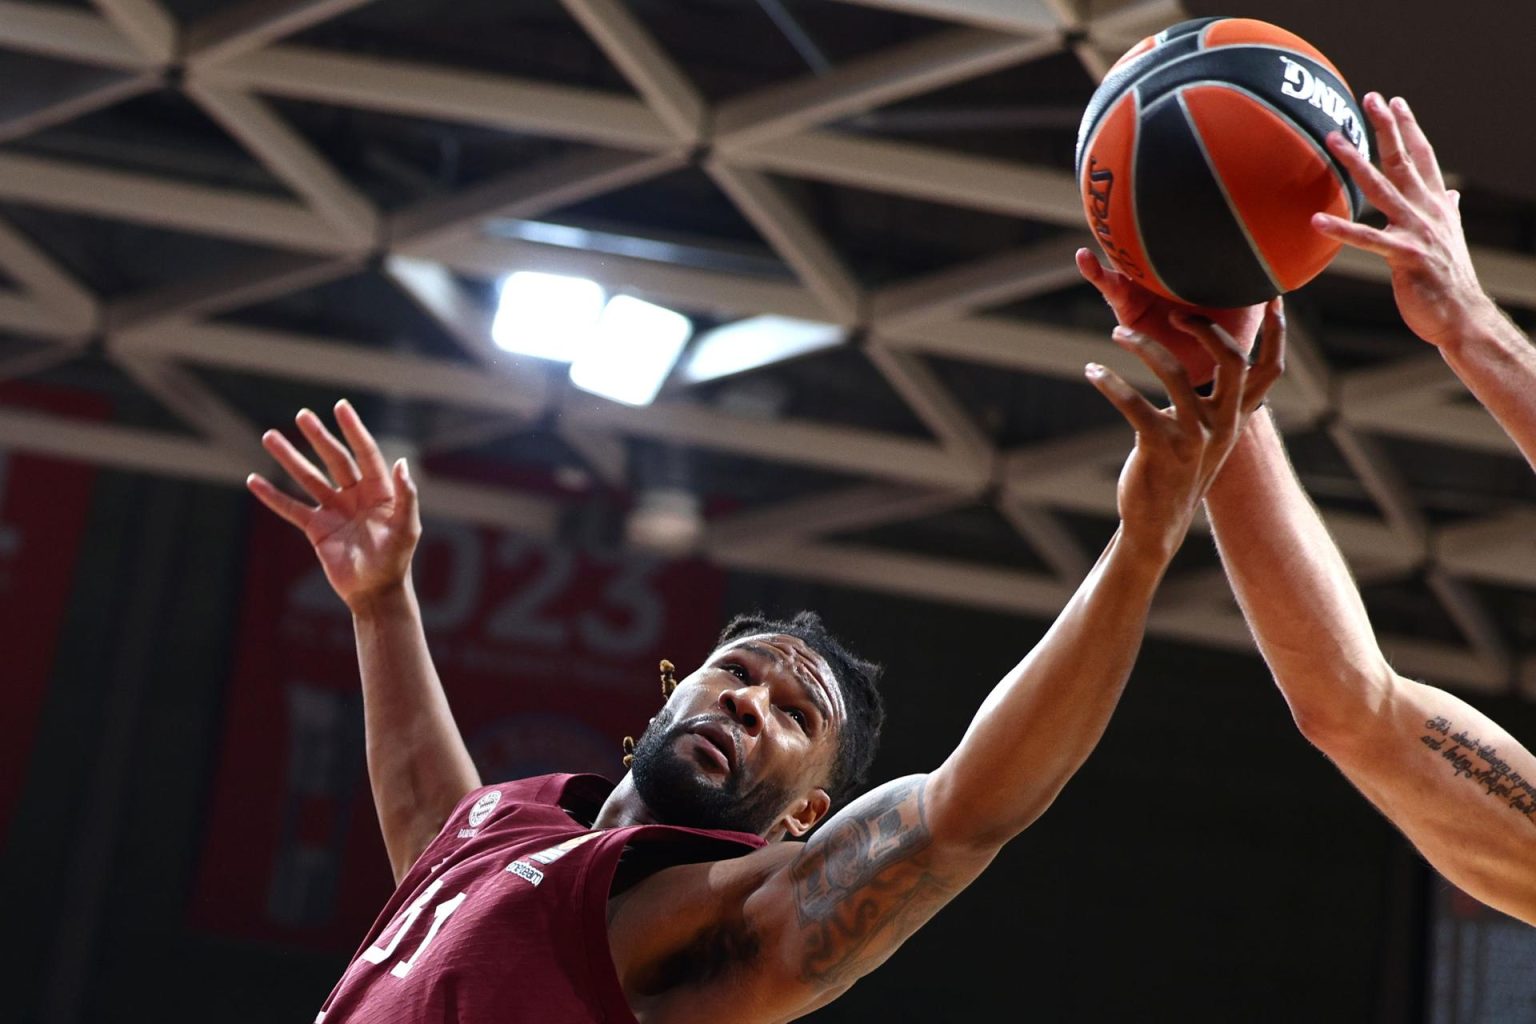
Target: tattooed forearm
x: 1480, y: 762
x: 864, y: 884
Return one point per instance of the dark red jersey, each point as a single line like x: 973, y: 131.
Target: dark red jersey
x: 503, y: 918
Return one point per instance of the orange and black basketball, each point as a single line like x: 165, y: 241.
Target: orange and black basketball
x: 1201, y: 161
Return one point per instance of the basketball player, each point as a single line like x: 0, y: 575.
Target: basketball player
x: 1461, y: 788
x: 670, y: 897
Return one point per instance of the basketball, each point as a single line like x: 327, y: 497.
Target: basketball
x: 1201, y: 160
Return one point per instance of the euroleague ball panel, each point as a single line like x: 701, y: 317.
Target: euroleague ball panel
x: 1307, y: 93
x: 1196, y: 246
x: 1240, y: 31
x: 1127, y: 76
x: 1109, y: 200
x: 1272, y: 189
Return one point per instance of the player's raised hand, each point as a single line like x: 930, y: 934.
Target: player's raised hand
x: 365, y: 523
x: 1433, y: 278
x: 1179, y: 450
x: 1146, y: 312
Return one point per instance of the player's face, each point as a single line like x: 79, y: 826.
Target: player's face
x: 745, y: 740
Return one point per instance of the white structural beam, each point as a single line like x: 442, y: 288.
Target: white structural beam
x: 529, y: 192
x: 854, y: 508
x: 44, y: 280
x: 143, y: 199
x: 23, y: 315
x: 145, y: 24
x: 1500, y: 550
x: 1130, y: 22
x: 320, y: 361
x: 189, y: 398
x: 1030, y: 17
x: 934, y: 404
x: 869, y: 82
x: 649, y: 68
x: 684, y: 287
x: 1015, y: 345
x: 242, y: 27
x: 446, y: 94
x: 78, y: 105
x: 57, y: 31
x: 920, y: 172
x: 794, y: 238
x: 990, y: 281
x: 265, y: 277
x: 797, y: 442
x: 436, y: 291
x: 293, y: 160
x: 1051, y: 541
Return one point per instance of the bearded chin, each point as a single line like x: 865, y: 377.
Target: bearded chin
x: 677, y: 792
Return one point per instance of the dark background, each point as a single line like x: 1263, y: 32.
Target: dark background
x: 1206, y: 864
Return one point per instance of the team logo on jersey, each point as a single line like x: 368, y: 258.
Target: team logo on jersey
x: 523, y: 869
x: 483, y: 808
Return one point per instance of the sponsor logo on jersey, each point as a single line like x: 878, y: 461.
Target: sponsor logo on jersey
x: 483, y: 808
x: 525, y: 870
x: 1301, y: 84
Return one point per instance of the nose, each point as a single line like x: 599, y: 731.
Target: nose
x: 748, y: 705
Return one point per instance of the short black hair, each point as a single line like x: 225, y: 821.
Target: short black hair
x: 856, y: 678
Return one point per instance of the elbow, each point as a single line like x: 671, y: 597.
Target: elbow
x: 1337, y: 712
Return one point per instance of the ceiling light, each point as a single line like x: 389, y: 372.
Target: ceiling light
x: 631, y: 350
x: 546, y: 315
x: 757, y: 342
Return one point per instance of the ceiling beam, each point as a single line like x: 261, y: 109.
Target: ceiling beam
x: 446, y: 94
x: 156, y: 202
x: 867, y: 83
x: 650, y: 69
x: 145, y: 24
x: 1030, y: 17
x: 53, y: 30
x: 239, y: 28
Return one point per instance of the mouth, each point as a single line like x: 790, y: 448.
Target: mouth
x: 715, y: 745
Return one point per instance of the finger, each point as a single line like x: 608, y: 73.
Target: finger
x: 1141, y: 414
x: 1396, y: 162
x: 1417, y: 144
x: 1455, y: 197
x: 1374, y: 185
x: 1095, y: 274
x: 1357, y: 236
x: 1270, y: 364
x: 298, y: 467
x: 338, y: 461
x: 369, y: 459
x: 1228, y: 355
x: 407, y: 500
x: 291, y: 510
x: 1186, y: 404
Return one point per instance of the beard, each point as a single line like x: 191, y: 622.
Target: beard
x: 676, y: 791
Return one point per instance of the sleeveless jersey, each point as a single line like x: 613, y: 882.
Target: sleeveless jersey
x: 503, y: 918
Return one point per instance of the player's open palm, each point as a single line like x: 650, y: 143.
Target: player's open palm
x: 365, y: 522
x: 1179, y: 450
x: 1433, y: 278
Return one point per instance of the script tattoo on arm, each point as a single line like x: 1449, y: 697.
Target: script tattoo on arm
x: 1479, y: 762
x: 865, y: 883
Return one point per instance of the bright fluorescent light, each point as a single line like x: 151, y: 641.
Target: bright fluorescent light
x: 755, y: 343
x: 630, y: 352
x: 546, y: 315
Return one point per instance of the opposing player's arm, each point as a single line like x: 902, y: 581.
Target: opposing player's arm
x: 1458, y: 786
x: 364, y: 527
x: 885, y: 864
x: 1433, y: 277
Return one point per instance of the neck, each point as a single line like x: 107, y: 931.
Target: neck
x: 625, y: 807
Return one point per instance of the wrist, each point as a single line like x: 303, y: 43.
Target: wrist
x: 388, y: 601
x: 1146, y: 549
x: 1479, y: 320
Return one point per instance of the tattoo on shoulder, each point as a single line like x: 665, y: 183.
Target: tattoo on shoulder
x: 864, y: 884
x: 1470, y: 758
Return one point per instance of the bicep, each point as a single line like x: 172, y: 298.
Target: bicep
x: 1460, y: 787
x: 869, y: 878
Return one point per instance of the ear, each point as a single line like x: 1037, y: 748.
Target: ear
x: 804, y: 815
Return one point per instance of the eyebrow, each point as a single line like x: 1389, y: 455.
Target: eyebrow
x: 812, y: 693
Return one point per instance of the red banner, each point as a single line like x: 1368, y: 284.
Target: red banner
x: 43, y: 507
x: 548, y: 656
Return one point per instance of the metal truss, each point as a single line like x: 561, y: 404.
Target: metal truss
x: 236, y: 62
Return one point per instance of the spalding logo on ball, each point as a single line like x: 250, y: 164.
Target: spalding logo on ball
x: 1201, y: 161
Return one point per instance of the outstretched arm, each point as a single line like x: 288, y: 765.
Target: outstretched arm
x: 1461, y: 788
x: 1433, y: 279
x: 364, y: 528
x: 885, y: 864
